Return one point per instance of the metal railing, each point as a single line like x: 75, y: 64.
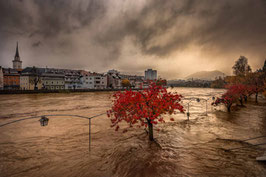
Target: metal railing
x: 198, y: 100
x: 44, y: 121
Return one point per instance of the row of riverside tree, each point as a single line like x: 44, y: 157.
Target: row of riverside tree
x: 243, y: 84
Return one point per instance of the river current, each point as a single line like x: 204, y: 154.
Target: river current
x: 198, y: 147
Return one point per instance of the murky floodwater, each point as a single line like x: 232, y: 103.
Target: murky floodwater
x: 185, y: 148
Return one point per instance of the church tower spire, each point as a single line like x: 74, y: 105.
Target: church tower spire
x: 17, y: 63
x: 17, y: 53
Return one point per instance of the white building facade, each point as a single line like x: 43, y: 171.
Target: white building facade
x: 151, y: 74
x: 72, y: 79
x: 94, y: 81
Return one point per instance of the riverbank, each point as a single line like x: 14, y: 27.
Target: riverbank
x: 60, y: 91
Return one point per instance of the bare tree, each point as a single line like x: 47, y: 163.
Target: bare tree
x: 35, y: 78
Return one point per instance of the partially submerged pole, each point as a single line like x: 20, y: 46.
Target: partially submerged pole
x: 188, y: 112
x: 206, y: 107
x: 89, y: 134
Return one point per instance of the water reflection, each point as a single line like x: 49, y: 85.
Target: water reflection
x: 185, y: 148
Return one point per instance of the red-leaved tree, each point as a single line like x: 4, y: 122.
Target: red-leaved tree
x: 240, y: 91
x: 228, y: 98
x: 256, y: 83
x: 144, y: 107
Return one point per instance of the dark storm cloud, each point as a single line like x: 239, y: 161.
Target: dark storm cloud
x: 36, y: 44
x: 98, y: 29
x: 153, y: 21
x: 49, y: 17
x: 207, y: 22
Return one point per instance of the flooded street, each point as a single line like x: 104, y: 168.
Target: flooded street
x: 185, y: 148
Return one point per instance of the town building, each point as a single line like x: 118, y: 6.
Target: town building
x: 151, y: 74
x: 17, y: 63
x: 72, y: 79
x: 94, y: 81
x: 31, y: 78
x: 86, y: 80
x: 1, y: 78
x: 53, y: 79
x: 113, y: 79
x: 135, y: 81
x: 11, y: 79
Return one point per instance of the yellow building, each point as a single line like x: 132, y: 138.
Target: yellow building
x: 28, y: 83
x: 31, y: 79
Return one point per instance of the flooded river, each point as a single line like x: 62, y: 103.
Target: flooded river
x: 185, y: 148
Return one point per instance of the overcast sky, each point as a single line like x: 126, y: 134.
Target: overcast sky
x: 175, y: 37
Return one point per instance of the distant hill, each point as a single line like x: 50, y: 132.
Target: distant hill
x: 206, y: 75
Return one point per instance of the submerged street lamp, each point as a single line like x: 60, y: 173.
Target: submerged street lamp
x: 198, y: 100
x: 44, y: 121
x: 188, y: 114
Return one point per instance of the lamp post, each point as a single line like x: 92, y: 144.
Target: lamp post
x: 188, y: 114
x: 198, y: 100
x: 44, y: 121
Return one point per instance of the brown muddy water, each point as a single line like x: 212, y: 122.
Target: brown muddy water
x: 185, y: 148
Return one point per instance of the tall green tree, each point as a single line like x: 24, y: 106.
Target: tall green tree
x: 241, y: 67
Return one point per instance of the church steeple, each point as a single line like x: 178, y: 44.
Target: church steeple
x: 17, y: 64
x: 17, y: 53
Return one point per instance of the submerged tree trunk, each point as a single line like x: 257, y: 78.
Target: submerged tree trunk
x: 246, y: 98
x: 150, y: 130
x: 229, y: 107
x: 241, y: 101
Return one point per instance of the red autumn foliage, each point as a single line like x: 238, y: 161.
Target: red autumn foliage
x: 239, y: 90
x: 256, y: 82
x: 236, y: 92
x: 144, y: 107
